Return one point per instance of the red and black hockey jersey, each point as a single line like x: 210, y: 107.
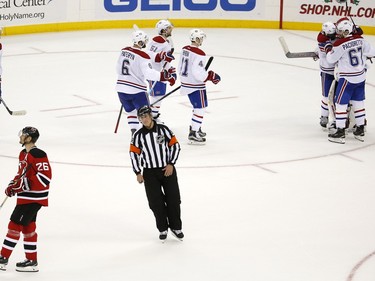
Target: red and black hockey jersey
x: 35, y: 169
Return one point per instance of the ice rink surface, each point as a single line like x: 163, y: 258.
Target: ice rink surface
x: 268, y: 198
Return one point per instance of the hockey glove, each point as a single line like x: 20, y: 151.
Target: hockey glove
x: 164, y: 56
x: 325, y: 46
x: 212, y: 76
x: 166, y: 76
x: 172, y: 72
x: 9, y: 190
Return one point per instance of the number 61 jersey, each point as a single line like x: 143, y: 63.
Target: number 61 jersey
x: 34, y: 168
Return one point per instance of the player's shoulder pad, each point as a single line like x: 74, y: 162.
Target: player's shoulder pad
x: 341, y: 41
x: 195, y: 50
x: 37, y: 153
x: 159, y: 39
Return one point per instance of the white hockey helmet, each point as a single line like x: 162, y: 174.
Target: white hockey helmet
x: 344, y: 28
x: 197, y: 34
x: 164, y: 26
x: 140, y: 38
x: 329, y: 28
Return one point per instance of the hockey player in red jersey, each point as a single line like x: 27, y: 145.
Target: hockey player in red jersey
x: 194, y: 76
x: 31, y: 185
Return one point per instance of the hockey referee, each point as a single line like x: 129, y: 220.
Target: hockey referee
x: 155, y: 148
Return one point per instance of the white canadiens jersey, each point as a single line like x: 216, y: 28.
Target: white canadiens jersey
x: 324, y: 65
x: 191, y: 70
x: 350, y: 54
x: 158, y: 44
x: 133, y: 69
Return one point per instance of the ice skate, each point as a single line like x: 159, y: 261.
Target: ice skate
x: 27, y: 266
x: 3, y: 263
x: 195, y: 138
x: 323, y: 121
x: 359, y: 133
x: 163, y: 236
x: 338, y: 136
x: 178, y: 234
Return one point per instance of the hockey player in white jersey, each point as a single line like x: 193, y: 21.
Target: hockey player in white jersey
x: 162, y: 48
x: 193, y: 76
x: 326, y: 35
x: 350, y: 51
x: 133, y: 69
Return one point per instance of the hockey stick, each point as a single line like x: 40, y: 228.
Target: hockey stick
x: 118, y: 120
x: 290, y: 55
x: 2, y: 204
x: 16, y: 113
x: 331, y: 105
x: 175, y: 89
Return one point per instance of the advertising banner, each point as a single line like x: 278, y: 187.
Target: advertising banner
x: 362, y: 11
x: 25, y: 12
x: 181, y: 9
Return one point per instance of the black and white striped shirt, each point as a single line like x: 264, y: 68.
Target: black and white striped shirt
x: 153, y: 148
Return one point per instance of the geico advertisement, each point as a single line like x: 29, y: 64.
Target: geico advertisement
x: 143, y: 9
x: 362, y: 12
x: 21, y: 12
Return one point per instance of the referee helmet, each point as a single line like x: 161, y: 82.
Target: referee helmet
x: 144, y: 110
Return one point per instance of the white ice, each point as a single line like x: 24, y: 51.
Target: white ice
x: 268, y: 198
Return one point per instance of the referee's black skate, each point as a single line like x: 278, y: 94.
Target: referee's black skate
x: 3, y: 263
x: 338, y: 136
x: 27, y: 266
x: 163, y: 236
x: 178, y: 234
x: 359, y: 133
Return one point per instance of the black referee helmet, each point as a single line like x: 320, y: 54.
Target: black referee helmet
x: 144, y: 110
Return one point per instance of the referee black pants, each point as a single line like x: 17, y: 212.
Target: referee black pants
x: 163, y: 195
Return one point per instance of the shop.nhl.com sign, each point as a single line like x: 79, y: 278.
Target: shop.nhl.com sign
x: 23, y: 3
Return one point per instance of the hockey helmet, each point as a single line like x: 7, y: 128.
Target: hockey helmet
x: 344, y: 28
x: 144, y: 110
x: 30, y: 132
x: 329, y: 28
x: 197, y: 34
x: 140, y: 38
x: 164, y: 27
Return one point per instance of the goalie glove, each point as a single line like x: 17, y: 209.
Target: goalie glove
x: 214, y: 77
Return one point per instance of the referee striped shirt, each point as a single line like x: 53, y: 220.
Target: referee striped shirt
x: 153, y: 148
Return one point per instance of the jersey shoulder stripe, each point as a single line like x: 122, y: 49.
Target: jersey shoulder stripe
x: 138, y: 52
x: 194, y: 50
